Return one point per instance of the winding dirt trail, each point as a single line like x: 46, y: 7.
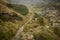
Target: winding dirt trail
x: 16, y: 37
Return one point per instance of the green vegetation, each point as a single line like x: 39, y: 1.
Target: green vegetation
x: 39, y: 37
x: 36, y: 15
x: 41, y: 21
x: 19, y: 8
x: 7, y: 30
x: 9, y: 23
x: 39, y: 26
x: 57, y: 31
x: 9, y: 17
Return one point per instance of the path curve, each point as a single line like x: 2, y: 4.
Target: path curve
x: 16, y: 37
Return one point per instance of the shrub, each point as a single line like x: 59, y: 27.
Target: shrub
x: 20, y: 8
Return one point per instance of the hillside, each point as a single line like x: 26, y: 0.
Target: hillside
x: 19, y: 22
x: 10, y: 21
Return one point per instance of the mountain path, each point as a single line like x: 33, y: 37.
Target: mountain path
x: 16, y: 37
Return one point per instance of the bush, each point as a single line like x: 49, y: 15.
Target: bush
x: 39, y: 37
x: 57, y: 31
x: 41, y: 21
x: 20, y: 8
